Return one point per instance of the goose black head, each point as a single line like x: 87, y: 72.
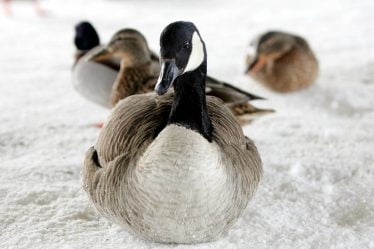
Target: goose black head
x: 182, y: 51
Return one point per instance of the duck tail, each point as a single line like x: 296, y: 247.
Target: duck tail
x: 227, y: 92
x: 86, y: 37
x: 246, y: 112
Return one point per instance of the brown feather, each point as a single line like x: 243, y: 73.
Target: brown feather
x: 131, y: 128
x: 293, y: 70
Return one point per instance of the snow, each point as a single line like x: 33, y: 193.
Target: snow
x: 318, y: 149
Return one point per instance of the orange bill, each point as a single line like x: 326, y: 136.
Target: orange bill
x: 257, y: 65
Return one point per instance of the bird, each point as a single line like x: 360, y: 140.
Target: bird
x: 173, y: 166
x: 282, y: 62
x: 92, y: 80
x: 86, y: 38
x: 137, y: 71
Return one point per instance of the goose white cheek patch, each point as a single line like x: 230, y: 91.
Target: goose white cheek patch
x: 161, y: 75
x: 197, y: 53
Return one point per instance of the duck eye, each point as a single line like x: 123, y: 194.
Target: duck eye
x: 120, y: 38
x: 186, y: 45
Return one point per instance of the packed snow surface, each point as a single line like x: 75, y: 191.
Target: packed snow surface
x: 317, y: 149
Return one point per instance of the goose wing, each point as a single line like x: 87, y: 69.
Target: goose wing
x: 239, y: 153
x: 132, y: 126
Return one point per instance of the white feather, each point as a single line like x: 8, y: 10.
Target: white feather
x: 253, y: 46
x: 197, y: 53
x: 161, y: 75
x: 183, y: 179
x: 251, y: 50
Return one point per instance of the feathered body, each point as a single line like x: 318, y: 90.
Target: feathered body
x: 289, y: 64
x: 174, y: 168
x: 192, y: 192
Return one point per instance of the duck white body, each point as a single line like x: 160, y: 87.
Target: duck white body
x: 94, y: 81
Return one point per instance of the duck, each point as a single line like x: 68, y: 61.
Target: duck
x: 86, y: 38
x: 92, y: 80
x: 137, y: 72
x: 173, y: 165
x: 282, y: 62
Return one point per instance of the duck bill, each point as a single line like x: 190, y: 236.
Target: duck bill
x: 258, y: 63
x: 100, y: 55
x: 169, y: 72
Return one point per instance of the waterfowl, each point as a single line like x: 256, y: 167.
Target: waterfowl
x: 92, y: 80
x: 139, y: 66
x: 86, y: 38
x: 173, y: 166
x: 138, y: 72
x: 282, y: 62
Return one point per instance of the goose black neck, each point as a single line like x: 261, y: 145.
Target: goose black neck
x: 189, y: 106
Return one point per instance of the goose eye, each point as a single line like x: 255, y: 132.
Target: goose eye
x: 186, y: 45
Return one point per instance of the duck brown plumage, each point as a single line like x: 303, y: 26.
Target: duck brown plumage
x: 282, y: 62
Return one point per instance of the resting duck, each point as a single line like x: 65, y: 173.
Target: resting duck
x: 282, y: 62
x: 92, y: 80
x: 173, y: 166
x: 138, y: 71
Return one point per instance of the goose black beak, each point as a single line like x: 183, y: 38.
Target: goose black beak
x: 169, y: 72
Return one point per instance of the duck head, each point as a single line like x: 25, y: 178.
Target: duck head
x: 182, y: 52
x: 86, y: 36
x: 129, y: 45
x: 269, y: 47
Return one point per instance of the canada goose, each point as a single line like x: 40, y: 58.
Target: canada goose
x: 282, y: 62
x: 138, y: 73
x: 174, y: 168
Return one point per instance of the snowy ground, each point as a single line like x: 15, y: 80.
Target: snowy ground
x: 318, y: 149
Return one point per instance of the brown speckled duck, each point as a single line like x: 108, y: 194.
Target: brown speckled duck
x: 139, y: 66
x: 282, y: 62
x: 173, y: 167
x: 126, y: 66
